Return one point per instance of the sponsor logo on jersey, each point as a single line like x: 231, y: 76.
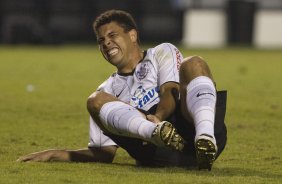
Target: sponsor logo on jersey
x: 144, y: 97
x: 143, y: 71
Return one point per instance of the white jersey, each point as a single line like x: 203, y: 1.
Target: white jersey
x: 140, y: 89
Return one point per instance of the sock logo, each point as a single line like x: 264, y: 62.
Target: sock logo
x: 200, y: 94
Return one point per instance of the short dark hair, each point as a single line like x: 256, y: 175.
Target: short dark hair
x: 124, y: 19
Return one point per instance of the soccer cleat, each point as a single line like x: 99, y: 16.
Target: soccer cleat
x: 206, y: 150
x: 165, y: 135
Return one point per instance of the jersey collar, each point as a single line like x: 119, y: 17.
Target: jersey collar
x: 131, y: 73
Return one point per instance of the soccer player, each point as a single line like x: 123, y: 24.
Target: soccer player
x: 162, y: 109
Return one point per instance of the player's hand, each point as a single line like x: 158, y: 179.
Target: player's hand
x: 153, y: 118
x: 42, y: 156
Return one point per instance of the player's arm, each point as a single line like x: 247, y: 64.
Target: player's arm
x: 169, y: 59
x: 101, y: 154
x: 167, y: 104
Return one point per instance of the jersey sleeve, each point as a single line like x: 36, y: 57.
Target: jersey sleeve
x: 169, y: 59
x: 106, y: 86
x: 97, y: 138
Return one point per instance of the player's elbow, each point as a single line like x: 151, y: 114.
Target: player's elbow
x: 104, y: 154
x: 108, y: 158
x: 108, y: 153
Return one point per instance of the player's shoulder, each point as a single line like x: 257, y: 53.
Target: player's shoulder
x: 164, y: 46
x: 107, y: 83
x: 162, y: 50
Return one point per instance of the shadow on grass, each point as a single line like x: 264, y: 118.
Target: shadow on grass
x: 219, y: 172
x: 235, y: 171
x: 125, y: 167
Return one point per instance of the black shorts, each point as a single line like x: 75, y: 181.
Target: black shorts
x: 148, y: 154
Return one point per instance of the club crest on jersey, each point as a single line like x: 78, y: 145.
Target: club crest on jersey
x: 144, y: 97
x: 142, y: 71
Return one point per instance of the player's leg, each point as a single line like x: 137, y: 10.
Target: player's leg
x: 119, y: 118
x: 198, y: 99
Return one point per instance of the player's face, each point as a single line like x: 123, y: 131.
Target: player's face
x: 115, y: 44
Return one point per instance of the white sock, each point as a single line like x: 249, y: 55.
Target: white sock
x: 201, y: 100
x: 122, y: 119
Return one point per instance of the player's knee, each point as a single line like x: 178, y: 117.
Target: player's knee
x: 194, y: 66
x: 95, y: 101
x: 192, y: 62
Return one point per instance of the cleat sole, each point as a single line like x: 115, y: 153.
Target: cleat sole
x: 206, y: 153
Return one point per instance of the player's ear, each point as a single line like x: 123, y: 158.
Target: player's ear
x: 133, y: 35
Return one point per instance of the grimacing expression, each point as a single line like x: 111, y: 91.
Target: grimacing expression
x: 115, y: 44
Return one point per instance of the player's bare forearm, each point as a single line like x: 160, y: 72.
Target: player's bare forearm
x: 101, y: 154
x: 104, y: 154
x: 167, y: 102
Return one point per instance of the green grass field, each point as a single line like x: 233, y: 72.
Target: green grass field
x: 43, y: 92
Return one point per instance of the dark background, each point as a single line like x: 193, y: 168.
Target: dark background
x: 70, y: 21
